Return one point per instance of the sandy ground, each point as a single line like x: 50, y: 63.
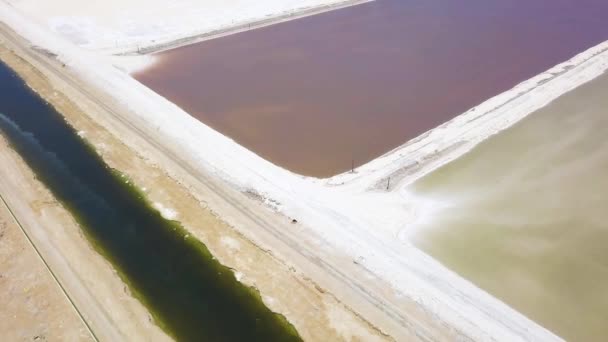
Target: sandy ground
x: 351, y: 239
x: 34, y: 307
x: 315, y: 312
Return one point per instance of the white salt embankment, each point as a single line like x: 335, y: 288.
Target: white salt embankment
x: 350, y: 214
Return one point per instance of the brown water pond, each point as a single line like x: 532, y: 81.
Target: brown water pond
x: 314, y: 94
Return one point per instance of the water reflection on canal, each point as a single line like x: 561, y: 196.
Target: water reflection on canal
x: 190, y: 294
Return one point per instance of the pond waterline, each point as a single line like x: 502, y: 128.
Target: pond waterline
x: 316, y: 94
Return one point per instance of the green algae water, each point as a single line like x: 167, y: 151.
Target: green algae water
x: 191, y: 296
x: 524, y: 215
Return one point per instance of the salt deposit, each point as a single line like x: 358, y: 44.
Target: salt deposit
x: 353, y: 212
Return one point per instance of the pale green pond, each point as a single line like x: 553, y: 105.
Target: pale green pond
x: 525, y: 215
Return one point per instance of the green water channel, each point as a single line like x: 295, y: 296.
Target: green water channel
x: 524, y: 215
x: 190, y: 295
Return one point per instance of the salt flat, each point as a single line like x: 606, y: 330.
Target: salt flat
x: 353, y: 216
x: 120, y: 26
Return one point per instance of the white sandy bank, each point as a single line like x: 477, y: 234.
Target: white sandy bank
x: 352, y: 213
x: 117, y: 26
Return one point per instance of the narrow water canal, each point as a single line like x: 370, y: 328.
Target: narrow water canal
x: 191, y: 296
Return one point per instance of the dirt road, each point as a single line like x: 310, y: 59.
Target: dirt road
x: 34, y: 306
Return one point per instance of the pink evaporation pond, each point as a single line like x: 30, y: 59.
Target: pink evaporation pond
x: 314, y: 94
